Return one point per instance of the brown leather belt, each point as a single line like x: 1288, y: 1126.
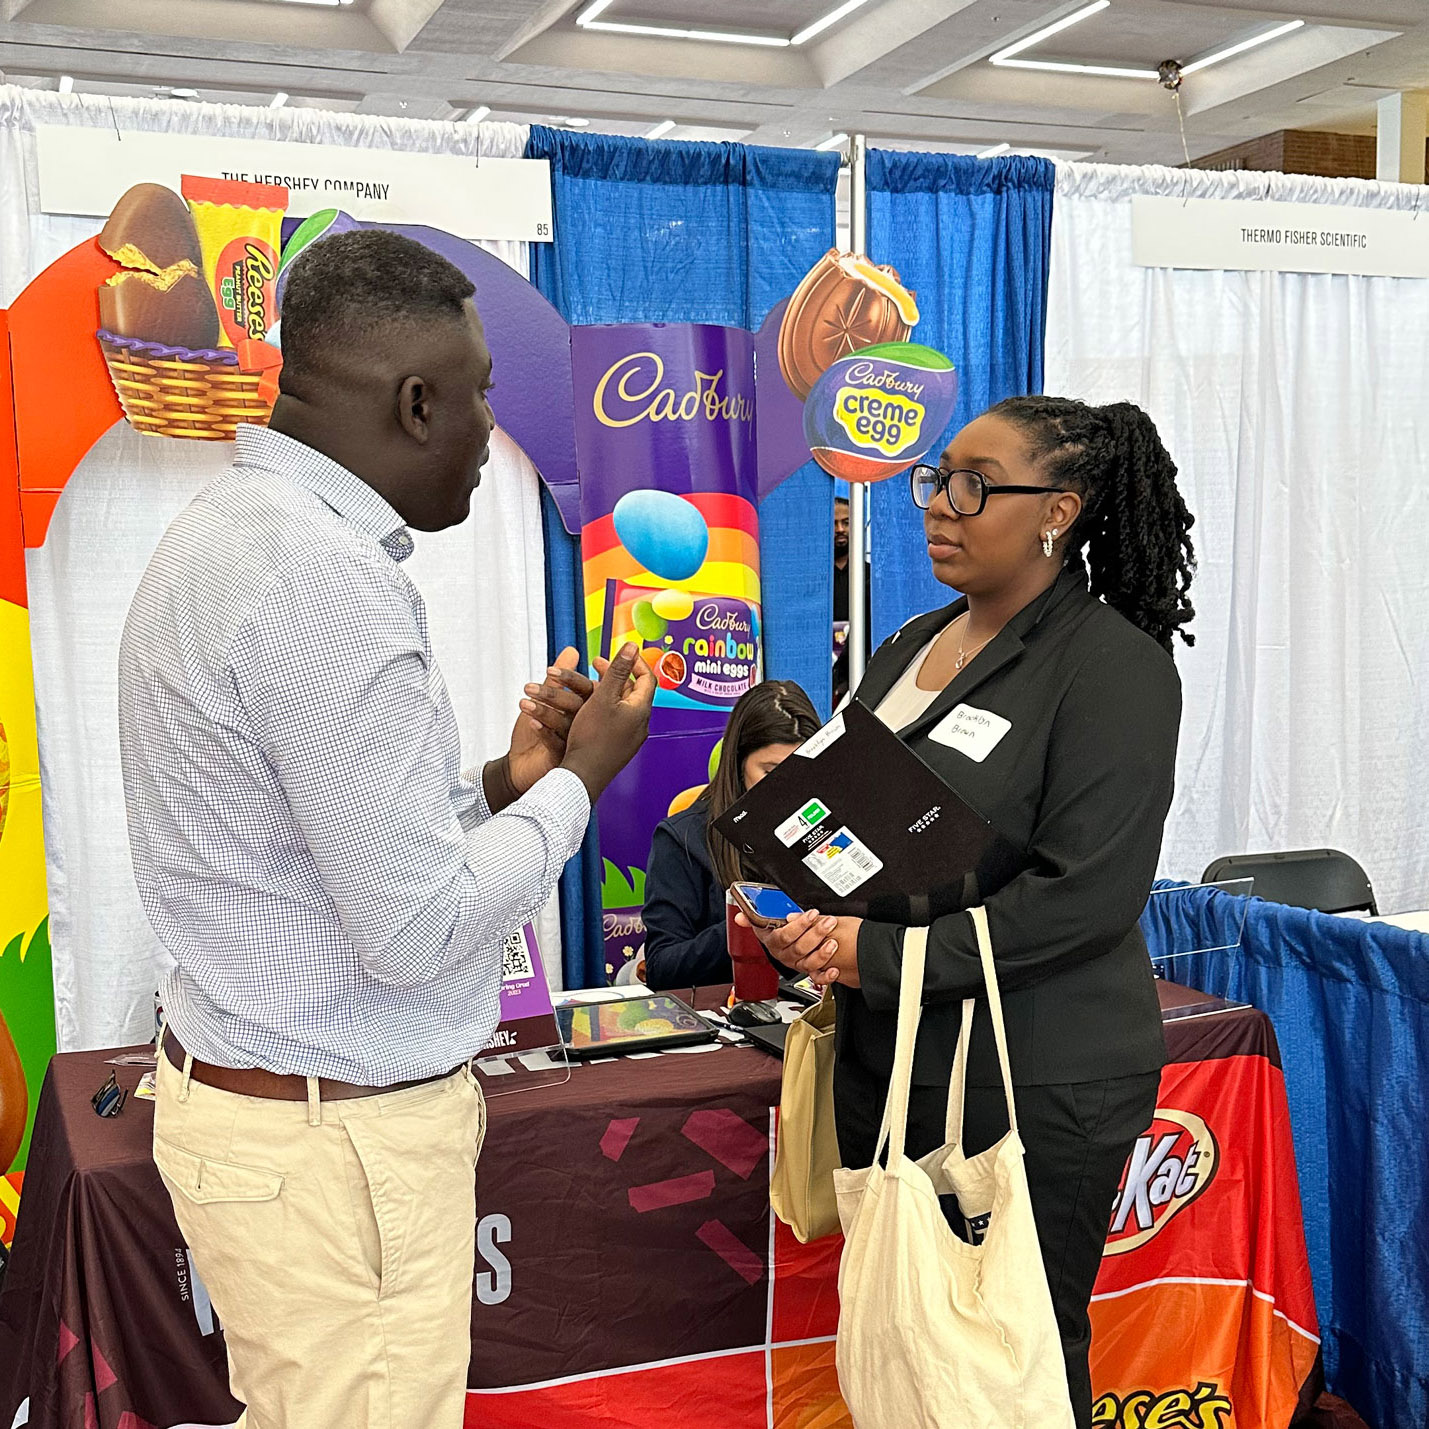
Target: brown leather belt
x: 273, y: 1086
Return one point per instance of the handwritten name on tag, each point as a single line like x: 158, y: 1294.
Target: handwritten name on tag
x: 973, y: 732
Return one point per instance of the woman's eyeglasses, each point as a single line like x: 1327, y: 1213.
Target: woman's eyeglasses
x: 967, y: 490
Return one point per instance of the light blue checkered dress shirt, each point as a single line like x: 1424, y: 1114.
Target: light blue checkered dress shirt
x: 334, y: 890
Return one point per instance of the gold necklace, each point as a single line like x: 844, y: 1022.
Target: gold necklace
x: 964, y: 655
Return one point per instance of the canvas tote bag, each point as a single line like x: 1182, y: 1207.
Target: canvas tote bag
x: 935, y: 1332
x: 801, y: 1187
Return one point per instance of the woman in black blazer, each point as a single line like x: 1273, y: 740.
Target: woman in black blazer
x: 1049, y: 700
x: 692, y: 864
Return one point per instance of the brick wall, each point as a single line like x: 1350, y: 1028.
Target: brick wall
x: 1303, y: 151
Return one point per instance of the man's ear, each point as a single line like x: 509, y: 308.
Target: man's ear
x: 414, y: 408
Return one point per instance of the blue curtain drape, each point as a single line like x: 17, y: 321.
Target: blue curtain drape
x: 712, y: 233
x: 1350, y: 1006
x: 971, y: 237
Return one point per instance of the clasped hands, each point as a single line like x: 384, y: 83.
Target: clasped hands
x: 824, y: 949
x: 610, y: 732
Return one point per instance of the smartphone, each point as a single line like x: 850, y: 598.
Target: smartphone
x: 764, y: 905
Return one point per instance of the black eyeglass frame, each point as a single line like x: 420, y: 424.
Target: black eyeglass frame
x: 941, y: 480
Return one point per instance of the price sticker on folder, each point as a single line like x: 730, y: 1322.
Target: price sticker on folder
x: 843, y: 863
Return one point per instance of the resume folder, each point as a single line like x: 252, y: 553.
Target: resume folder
x: 855, y: 823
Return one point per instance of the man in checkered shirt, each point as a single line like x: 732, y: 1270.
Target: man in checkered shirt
x: 334, y: 889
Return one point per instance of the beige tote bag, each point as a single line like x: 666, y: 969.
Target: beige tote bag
x: 934, y: 1332
x: 801, y: 1187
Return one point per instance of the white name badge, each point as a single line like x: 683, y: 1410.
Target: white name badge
x: 973, y: 732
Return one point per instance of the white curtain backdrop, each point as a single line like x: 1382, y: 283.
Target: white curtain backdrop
x: 483, y: 582
x: 1295, y: 406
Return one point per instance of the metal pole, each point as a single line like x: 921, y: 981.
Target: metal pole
x: 858, y: 491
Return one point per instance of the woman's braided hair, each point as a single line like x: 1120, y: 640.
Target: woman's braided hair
x: 1134, y: 527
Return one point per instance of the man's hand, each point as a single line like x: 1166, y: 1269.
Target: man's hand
x: 538, y: 743
x: 824, y: 949
x: 611, y: 725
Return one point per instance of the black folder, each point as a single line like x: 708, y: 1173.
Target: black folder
x: 855, y: 823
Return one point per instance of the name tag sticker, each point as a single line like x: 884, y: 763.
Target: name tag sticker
x: 973, y: 732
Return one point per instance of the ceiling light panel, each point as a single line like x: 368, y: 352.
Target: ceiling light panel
x: 1047, y: 31
x: 596, y: 16
x: 1016, y: 56
x: 1239, y: 49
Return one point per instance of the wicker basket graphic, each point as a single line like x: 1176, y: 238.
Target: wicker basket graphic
x: 173, y: 392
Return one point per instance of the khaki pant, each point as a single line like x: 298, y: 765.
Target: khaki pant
x: 336, y: 1240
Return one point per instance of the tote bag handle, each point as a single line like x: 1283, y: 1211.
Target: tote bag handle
x: 957, y: 1087
x: 894, y: 1129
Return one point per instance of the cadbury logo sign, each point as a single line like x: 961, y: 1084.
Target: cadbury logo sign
x: 1170, y: 1165
x: 634, y: 390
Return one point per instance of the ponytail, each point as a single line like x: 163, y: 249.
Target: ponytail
x: 1132, y: 538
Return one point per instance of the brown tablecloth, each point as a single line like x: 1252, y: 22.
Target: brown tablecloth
x: 624, y: 1225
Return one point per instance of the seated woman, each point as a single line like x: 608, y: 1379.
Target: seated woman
x: 691, y: 863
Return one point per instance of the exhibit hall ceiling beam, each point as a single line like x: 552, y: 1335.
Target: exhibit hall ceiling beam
x: 1301, y: 54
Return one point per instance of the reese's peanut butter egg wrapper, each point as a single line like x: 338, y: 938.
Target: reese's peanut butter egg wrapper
x: 240, y: 232
x: 703, y: 649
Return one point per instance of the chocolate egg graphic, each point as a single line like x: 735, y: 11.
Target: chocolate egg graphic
x: 844, y: 303
x: 673, y: 604
x: 684, y: 799
x: 877, y: 411
x: 664, y: 532
x: 648, y: 621
x: 14, y: 1099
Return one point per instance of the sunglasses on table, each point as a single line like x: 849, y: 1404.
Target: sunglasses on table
x: 110, y: 1098
x: 967, y: 490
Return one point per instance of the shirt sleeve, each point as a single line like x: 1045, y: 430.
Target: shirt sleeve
x: 333, y: 674
x: 1092, y: 858
x: 469, y: 799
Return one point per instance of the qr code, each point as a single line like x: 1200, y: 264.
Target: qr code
x: 516, y: 958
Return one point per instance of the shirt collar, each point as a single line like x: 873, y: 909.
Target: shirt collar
x: 346, y: 494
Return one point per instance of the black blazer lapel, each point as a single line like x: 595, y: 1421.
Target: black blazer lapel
x: 896, y: 653
x: 1007, y: 647
x: 1001, y: 652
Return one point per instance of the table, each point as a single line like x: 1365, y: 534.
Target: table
x: 1410, y: 922
x: 629, y: 1271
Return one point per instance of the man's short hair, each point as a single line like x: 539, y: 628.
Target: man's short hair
x: 344, y: 288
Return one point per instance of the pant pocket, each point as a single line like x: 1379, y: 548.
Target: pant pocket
x: 480, y: 1120
x: 371, y: 1243
x: 206, y: 1181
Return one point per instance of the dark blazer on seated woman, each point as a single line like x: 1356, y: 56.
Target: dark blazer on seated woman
x: 685, y: 942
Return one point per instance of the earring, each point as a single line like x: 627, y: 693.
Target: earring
x: 1048, y: 538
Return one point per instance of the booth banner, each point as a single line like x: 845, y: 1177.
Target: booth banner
x: 27, y: 1008
x: 665, y: 434
x: 1207, y: 1230
x: 85, y: 171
